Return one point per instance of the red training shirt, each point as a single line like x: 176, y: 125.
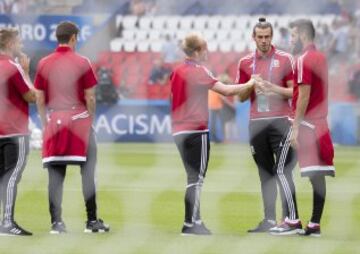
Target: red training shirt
x: 14, y: 110
x: 312, y: 70
x: 190, y: 83
x: 282, y: 70
x: 63, y: 76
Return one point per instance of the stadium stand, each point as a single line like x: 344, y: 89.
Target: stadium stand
x: 229, y: 38
x: 143, y: 25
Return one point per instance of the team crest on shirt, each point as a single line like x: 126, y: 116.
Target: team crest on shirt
x: 276, y: 63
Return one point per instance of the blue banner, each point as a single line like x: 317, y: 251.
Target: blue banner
x: 38, y: 32
x: 133, y: 123
x: 128, y: 123
x: 150, y: 122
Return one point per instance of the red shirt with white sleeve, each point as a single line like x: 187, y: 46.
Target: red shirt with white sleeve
x: 276, y: 67
x: 312, y: 70
x: 14, y: 110
x: 190, y: 83
x: 63, y: 76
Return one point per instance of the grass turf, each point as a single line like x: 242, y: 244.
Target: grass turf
x: 140, y: 194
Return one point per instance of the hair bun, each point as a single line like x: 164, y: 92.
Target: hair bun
x: 262, y: 19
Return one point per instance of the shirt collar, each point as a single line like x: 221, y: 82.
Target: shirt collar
x: 309, y: 47
x: 5, y: 57
x: 191, y: 61
x: 63, y: 48
x: 267, y: 55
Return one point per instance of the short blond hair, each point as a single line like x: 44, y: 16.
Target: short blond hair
x: 193, y: 43
x: 6, y: 35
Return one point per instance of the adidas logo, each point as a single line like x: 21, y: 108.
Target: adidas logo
x: 15, y: 231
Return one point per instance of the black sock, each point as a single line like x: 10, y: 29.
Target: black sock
x: 319, y: 193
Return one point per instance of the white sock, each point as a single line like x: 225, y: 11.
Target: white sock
x: 312, y: 224
x: 291, y: 221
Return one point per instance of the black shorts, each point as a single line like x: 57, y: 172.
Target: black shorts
x: 194, y: 150
x: 13, y: 153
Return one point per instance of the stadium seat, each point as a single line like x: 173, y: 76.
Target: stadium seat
x: 186, y: 23
x: 180, y: 34
x: 200, y: 22
x: 118, y: 20
x: 214, y: 22
x: 272, y: 19
x: 128, y: 34
x: 227, y: 22
x: 222, y: 35
x: 118, y: 57
x: 141, y: 35
x: 116, y: 44
x: 156, y: 46
x: 143, y: 46
x: 242, y: 22
x: 129, y: 46
x: 172, y: 22
x: 252, y: 20
x: 283, y: 21
x: 129, y: 22
x: 145, y: 23
x: 170, y: 32
x: 240, y: 46
x: 155, y: 35
x: 213, y: 46
x: 209, y: 34
x: 225, y: 46
x: 236, y: 35
x: 159, y: 22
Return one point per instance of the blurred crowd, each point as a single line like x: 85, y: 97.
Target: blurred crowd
x: 340, y: 41
x: 13, y: 6
x: 185, y: 7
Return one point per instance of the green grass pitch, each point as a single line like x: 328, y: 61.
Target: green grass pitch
x: 140, y: 194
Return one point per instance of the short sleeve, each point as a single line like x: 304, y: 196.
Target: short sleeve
x: 18, y: 81
x: 40, y: 81
x: 241, y: 75
x: 88, y: 78
x: 304, y: 70
x: 289, y: 69
x: 206, y: 78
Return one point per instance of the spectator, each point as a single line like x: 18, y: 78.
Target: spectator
x: 2, y: 7
x: 215, y: 117
x: 105, y: 91
x: 19, y: 6
x: 159, y: 73
x: 284, y: 40
x: 137, y: 7
x: 324, y: 38
x: 340, y: 42
x: 354, y: 81
x: 170, y: 50
x: 354, y: 38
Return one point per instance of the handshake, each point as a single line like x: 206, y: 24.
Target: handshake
x: 262, y: 86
